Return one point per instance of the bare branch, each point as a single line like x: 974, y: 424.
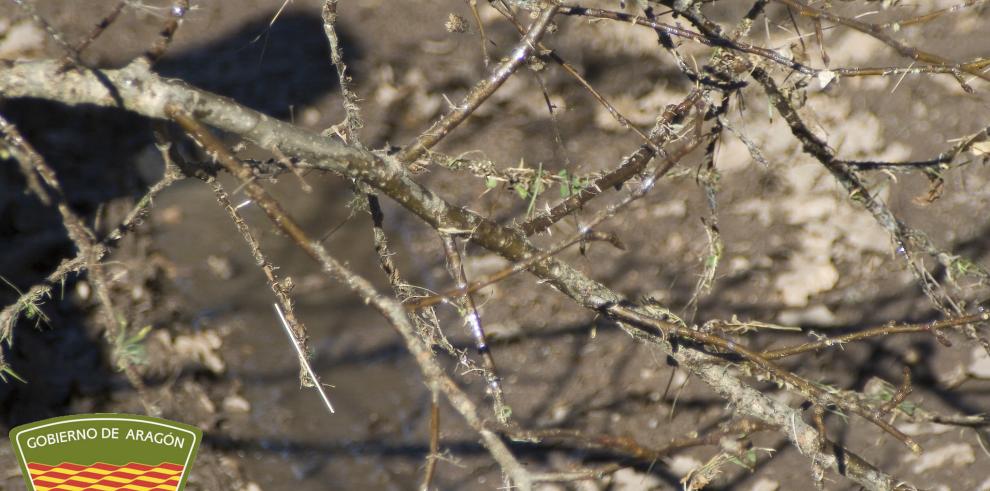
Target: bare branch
x: 482, y: 90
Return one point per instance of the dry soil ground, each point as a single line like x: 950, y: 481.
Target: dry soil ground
x: 797, y: 252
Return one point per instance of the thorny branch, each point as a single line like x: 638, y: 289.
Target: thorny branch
x: 472, y: 318
x: 352, y: 121
x: 90, y: 252
x: 915, y: 54
x: 873, y: 332
x: 40, y: 79
x: 710, y: 357
x: 481, y: 91
x: 389, y: 308
x: 281, y: 287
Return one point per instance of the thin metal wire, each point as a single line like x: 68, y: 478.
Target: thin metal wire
x: 302, y: 358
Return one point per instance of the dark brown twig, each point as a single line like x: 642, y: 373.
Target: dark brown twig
x: 517, y: 267
x: 167, y: 33
x: 902, y: 393
x: 806, y: 388
x: 631, y: 167
x: 879, y: 34
x: 887, y: 330
x: 100, y: 27
x: 280, y: 287
x: 44, y: 79
x: 938, y: 161
x: 473, y: 320
x: 390, y: 309
x: 481, y: 91
x: 434, y: 456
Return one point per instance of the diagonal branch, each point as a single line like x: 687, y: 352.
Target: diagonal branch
x: 147, y: 94
x: 879, y: 34
x: 482, y: 90
x: 389, y: 308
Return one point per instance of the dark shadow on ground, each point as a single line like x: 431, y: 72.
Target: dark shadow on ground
x: 269, y: 68
x: 101, y: 155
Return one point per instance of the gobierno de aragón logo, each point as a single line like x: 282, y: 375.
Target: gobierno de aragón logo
x: 105, y: 452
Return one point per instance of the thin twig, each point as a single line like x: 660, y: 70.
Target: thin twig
x: 517, y: 267
x: 481, y: 91
x: 930, y: 16
x: 389, y: 308
x: 473, y: 319
x: 100, y: 27
x: 628, y: 446
x: 602, y: 100
x: 89, y: 249
x: 806, y: 388
x: 877, y: 32
x: 874, y: 332
x: 9, y: 315
x: 352, y: 121
x: 280, y: 287
x: 858, y: 192
x: 167, y: 32
x: 70, y: 52
x: 939, y: 161
x: 631, y: 167
x: 434, y: 456
x: 302, y: 358
x: 45, y: 80
x: 902, y: 393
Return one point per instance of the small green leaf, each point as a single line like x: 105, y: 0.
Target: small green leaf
x: 565, y: 184
x: 521, y: 190
x: 751, y: 457
x: 578, y: 184
x: 143, y: 333
x: 130, y: 350
x: 491, y: 182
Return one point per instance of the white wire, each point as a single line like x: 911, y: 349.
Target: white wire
x: 302, y: 358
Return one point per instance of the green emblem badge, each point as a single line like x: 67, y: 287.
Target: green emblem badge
x: 105, y: 452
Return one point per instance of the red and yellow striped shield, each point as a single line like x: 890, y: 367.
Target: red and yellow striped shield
x: 105, y: 452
